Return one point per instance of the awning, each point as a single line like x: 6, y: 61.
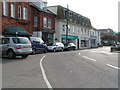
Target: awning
x: 94, y: 37
x: 48, y: 30
x: 15, y: 30
x: 82, y: 38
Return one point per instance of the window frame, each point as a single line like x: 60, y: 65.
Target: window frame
x: 5, y: 8
x: 49, y: 23
x: 35, y: 21
x: 12, y: 10
x: 25, y: 15
x: 19, y: 12
x: 44, y: 22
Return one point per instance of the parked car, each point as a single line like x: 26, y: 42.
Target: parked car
x: 115, y: 48
x: 38, y: 45
x: 57, y: 46
x: 70, y: 46
x: 15, y: 46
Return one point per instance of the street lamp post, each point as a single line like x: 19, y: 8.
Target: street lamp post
x: 67, y: 25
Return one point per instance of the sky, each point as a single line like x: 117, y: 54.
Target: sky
x: 102, y: 13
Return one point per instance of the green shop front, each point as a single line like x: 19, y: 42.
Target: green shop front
x: 73, y: 39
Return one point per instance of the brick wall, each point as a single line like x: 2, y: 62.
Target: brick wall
x: 9, y: 21
x: 41, y: 15
x: 48, y: 16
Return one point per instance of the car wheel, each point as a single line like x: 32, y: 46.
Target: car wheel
x: 11, y: 54
x: 45, y: 51
x: 62, y: 49
x: 54, y: 50
x: 24, y: 56
x: 74, y: 49
x: 69, y: 49
x: 34, y: 51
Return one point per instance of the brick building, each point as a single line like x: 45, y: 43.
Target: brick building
x: 42, y: 22
x: 16, y: 19
x: 28, y: 19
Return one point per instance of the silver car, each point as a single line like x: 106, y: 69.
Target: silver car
x: 56, y: 46
x: 15, y: 46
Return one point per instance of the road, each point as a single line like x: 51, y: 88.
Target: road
x: 90, y: 68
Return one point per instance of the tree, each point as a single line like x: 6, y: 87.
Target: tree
x: 108, y: 39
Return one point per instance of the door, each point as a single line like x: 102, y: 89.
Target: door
x: 57, y: 46
x: 78, y: 43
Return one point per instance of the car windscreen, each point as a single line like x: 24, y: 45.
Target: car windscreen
x: 21, y: 41
x: 39, y: 40
x: 4, y: 40
x: 50, y: 44
x: 71, y: 44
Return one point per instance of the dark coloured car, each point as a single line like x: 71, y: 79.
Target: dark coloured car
x: 115, y: 48
x: 38, y: 45
x: 70, y: 46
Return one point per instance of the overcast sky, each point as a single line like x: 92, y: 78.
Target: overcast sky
x: 102, y: 13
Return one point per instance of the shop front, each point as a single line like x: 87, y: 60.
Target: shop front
x: 48, y: 36
x: 85, y: 42
x: 93, y: 41
x: 73, y: 39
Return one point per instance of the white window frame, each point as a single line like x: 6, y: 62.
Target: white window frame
x: 35, y: 21
x: 49, y: 23
x: 5, y: 8
x: 44, y: 21
x: 12, y: 10
x: 19, y: 12
x: 25, y: 15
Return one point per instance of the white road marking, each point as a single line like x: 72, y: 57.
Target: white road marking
x: 113, y: 66
x: 44, y: 75
x: 89, y: 58
x: 103, y: 52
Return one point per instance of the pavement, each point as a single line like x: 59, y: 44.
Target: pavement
x: 90, y: 68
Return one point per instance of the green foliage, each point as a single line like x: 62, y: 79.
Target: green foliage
x: 108, y: 37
